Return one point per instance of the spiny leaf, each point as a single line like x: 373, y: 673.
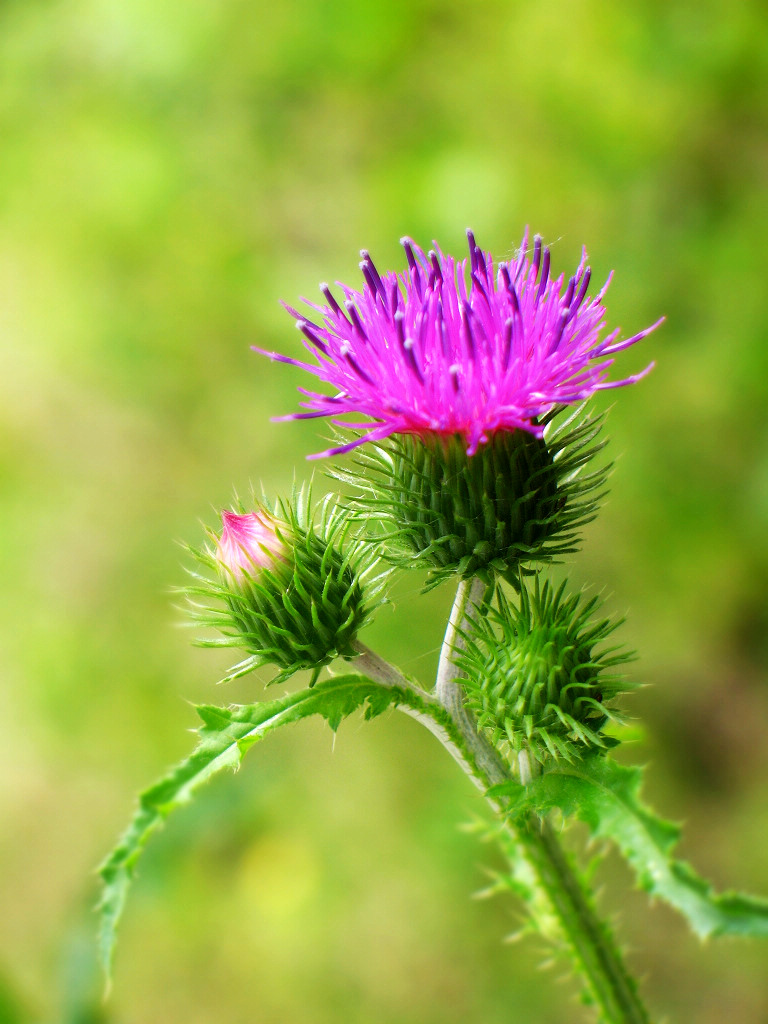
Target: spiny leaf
x: 606, y: 796
x: 225, y: 736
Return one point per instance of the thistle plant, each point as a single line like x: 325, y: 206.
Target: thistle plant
x: 472, y: 454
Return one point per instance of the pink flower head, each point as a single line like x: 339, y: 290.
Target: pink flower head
x: 429, y: 352
x: 248, y: 543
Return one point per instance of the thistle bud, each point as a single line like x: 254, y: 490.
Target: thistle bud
x: 290, y: 590
x: 535, y: 679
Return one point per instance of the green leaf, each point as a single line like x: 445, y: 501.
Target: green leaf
x: 225, y: 736
x: 606, y: 796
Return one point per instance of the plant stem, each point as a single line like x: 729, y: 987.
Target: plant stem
x: 375, y: 667
x: 592, y: 945
x: 470, y: 594
x: 595, y: 953
x: 381, y: 671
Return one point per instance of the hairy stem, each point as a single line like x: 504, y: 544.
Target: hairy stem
x: 470, y: 594
x: 593, y: 947
x: 595, y: 953
x: 380, y: 671
x: 434, y: 719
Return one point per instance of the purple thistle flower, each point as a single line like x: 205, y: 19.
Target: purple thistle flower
x: 248, y: 543
x: 425, y: 352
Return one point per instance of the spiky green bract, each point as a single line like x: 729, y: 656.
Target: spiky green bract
x: 300, y: 611
x: 606, y: 796
x: 518, y: 499
x: 535, y: 677
x: 226, y: 735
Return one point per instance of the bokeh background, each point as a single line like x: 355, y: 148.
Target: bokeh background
x: 168, y: 171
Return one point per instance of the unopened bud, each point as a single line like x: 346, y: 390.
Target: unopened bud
x: 291, y: 589
x: 536, y: 678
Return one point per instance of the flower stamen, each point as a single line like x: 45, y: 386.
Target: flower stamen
x: 526, y: 343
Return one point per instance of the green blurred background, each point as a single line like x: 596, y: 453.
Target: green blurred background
x: 168, y: 171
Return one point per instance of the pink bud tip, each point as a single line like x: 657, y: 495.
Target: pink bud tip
x: 248, y: 542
